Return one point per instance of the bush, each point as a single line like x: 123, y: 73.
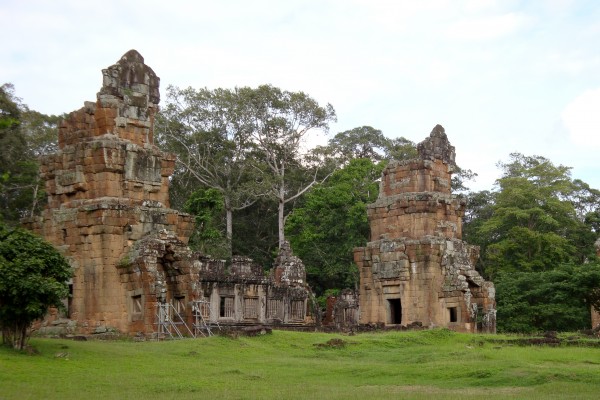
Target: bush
x: 33, y: 277
x: 557, y: 300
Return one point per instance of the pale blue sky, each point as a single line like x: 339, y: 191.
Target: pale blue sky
x: 500, y: 76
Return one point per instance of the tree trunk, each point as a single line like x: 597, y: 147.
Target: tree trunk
x: 281, y: 221
x: 36, y: 188
x: 15, y: 335
x: 229, y: 227
x: 22, y: 336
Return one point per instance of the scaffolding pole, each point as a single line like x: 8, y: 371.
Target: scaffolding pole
x: 168, y: 322
x: 200, y: 323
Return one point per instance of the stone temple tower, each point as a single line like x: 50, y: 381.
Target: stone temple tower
x: 108, y: 206
x: 417, y: 269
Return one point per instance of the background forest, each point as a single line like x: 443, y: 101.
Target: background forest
x: 247, y: 172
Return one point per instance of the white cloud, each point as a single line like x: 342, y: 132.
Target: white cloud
x: 487, y: 27
x: 560, y: 6
x: 439, y: 70
x: 480, y: 5
x: 574, y: 62
x: 403, y: 17
x: 581, y: 117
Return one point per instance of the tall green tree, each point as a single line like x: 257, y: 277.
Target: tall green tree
x: 535, y: 220
x: 33, y: 277
x: 208, y: 130
x: 332, y: 221
x: 401, y: 148
x: 40, y: 131
x: 14, y: 149
x: 24, y: 136
x: 360, y: 142
x: 367, y: 142
x: 280, y: 121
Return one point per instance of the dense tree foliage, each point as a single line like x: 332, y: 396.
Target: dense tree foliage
x: 206, y: 206
x: 24, y: 136
x: 367, y: 142
x: 33, y: 277
x: 558, y: 299
x: 256, y: 230
x: 209, y: 132
x: 361, y: 142
x: 536, y: 231
x: 332, y: 221
x: 12, y: 156
x: 243, y: 142
x: 279, y: 125
x: 535, y: 220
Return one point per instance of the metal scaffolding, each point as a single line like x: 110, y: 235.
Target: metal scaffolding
x: 202, y: 310
x: 169, y: 323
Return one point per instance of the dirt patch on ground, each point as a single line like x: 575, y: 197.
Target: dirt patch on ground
x: 332, y: 344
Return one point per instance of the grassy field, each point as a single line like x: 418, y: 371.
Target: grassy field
x: 291, y: 365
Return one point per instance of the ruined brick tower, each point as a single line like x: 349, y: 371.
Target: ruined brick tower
x: 417, y: 269
x: 108, y: 206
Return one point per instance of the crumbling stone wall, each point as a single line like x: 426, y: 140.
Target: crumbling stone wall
x: 289, y: 270
x: 107, y: 192
x: 342, y: 311
x: 158, y: 268
x: 243, y: 294
x: 417, y: 268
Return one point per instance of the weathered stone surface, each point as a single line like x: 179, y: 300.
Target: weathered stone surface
x: 342, y: 311
x: 289, y: 269
x: 242, y: 293
x: 437, y: 147
x: 417, y: 268
x: 107, y: 192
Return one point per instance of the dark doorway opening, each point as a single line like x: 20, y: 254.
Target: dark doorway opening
x: 453, y: 314
x: 70, y: 301
x: 395, y: 311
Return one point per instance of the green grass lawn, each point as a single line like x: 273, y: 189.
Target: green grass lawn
x: 292, y: 365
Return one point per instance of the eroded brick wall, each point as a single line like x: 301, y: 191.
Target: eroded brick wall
x: 107, y: 189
